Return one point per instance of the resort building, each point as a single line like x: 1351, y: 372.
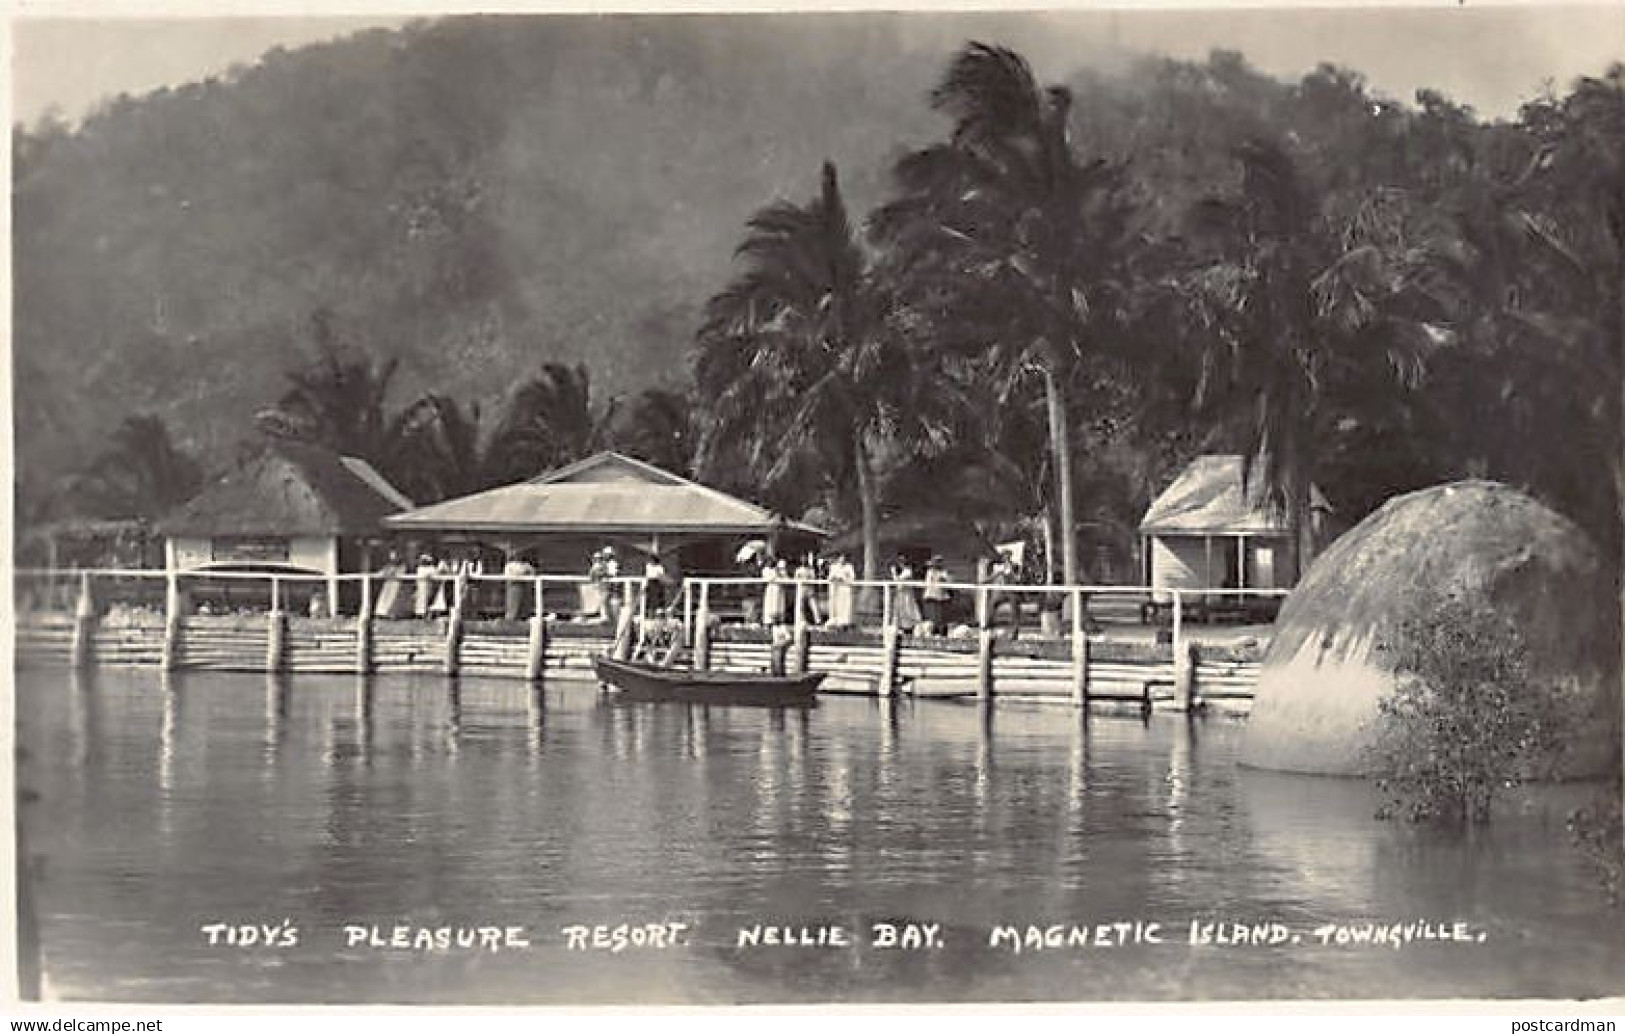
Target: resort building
x: 297, y: 508
x: 560, y: 518
x: 1209, y: 531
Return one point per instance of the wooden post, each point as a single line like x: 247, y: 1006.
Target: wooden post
x: 536, y: 648
x: 623, y: 634
x: 702, y: 630
x: 778, y: 647
x: 984, y: 665
x: 363, y: 628
x: 1181, y: 656
x: 1080, y: 651
x: 629, y: 600
x: 889, y: 645
x: 84, y: 626
x: 454, y: 626
x: 172, y: 622
x: 1176, y: 638
x: 801, y: 636
x: 541, y: 596
x: 276, y: 631
x: 1185, y: 678
x: 688, y: 614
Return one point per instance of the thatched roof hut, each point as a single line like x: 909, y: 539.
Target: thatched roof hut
x: 1316, y: 708
x: 292, y: 489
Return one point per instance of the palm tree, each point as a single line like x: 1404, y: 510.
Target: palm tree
x: 338, y: 399
x: 448, y: 458
x: 1017, y: 247
x: 550, y: 420
x: 807, y: 364
x: 658, y: 428
x: 140, y: 474
x: 1304, y: 304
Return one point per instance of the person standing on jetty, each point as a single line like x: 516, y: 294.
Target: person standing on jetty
x: 1004, y: 574
x: 592, y: 590
x: 807, y: 572
x: 516, y: 570
x: 907, y: 615
x: 654, y: 584
x: 841, y: 576
x: 425, y: 585
x: 936, y: 596
x: 773, y: 574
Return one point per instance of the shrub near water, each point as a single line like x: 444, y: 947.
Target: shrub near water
x: 1468, y: 718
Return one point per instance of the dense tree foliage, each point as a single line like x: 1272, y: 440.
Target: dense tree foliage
x: 1013, y: 245
x: 1111, y: 274
x: 806, y: 370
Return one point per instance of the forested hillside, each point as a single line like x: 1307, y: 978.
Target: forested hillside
x: 1020, y: 303
x: 473, y: 197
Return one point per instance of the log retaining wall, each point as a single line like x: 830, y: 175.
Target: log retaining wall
x: 1115, y: 670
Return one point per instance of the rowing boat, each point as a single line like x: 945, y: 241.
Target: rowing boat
x: 640, y: 680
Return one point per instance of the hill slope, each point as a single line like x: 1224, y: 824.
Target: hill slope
x: 472, y: 196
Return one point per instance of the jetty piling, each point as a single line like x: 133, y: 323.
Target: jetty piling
x: 984, y: 645
x: 276, y: 631
x: 83, y: 653
x: 363, y: 629
x: 111, y: 621
x: 702, y: 630
x: 801, y: 640
x: 171, y: 657
x: 454, y: 626
x: 1080, y: 651
x: 888, y: 642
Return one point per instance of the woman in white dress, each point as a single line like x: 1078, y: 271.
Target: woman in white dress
x: 907, y: 615
x: 841, y: 576
x: 772, y: 593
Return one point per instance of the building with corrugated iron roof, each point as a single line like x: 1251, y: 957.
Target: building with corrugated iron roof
x: 1211, y: 529
x: 608, y: 499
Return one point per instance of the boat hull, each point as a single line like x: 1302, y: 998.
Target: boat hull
x: 652, y: 682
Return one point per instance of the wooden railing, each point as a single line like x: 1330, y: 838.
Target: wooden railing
x: 704, y: 608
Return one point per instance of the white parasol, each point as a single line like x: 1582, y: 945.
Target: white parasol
x: 755, y: 549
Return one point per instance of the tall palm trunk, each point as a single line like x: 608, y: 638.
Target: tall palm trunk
x: 1301, y: 520
x: 1048, y: 528
x: 1060, y: 443
x: 869, y: 517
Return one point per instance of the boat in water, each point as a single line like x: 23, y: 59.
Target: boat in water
x: 644, y: 681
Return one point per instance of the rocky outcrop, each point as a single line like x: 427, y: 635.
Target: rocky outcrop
x: 1316, y: 705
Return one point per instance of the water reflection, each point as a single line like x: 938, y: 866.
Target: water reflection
x: 454, y: 716
x: 170, y: 693
x: 984, y: 754
x: 83, y: 717
x: 536, y: 715
x: 1077, y: 770
x: 1181, y: 766
x: 278, y: 686
x: 366, y: 691
x: 338, y: 800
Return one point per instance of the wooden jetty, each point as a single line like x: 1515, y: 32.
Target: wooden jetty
x: 1079, y: 668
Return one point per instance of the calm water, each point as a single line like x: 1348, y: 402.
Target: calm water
x: 167, y: 804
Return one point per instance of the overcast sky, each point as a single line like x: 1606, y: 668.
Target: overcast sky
x: 1492, y: 57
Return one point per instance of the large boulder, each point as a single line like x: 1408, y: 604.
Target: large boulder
x: 1326, y: 669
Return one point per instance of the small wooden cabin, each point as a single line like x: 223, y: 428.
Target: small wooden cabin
x: 1208, y: 530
